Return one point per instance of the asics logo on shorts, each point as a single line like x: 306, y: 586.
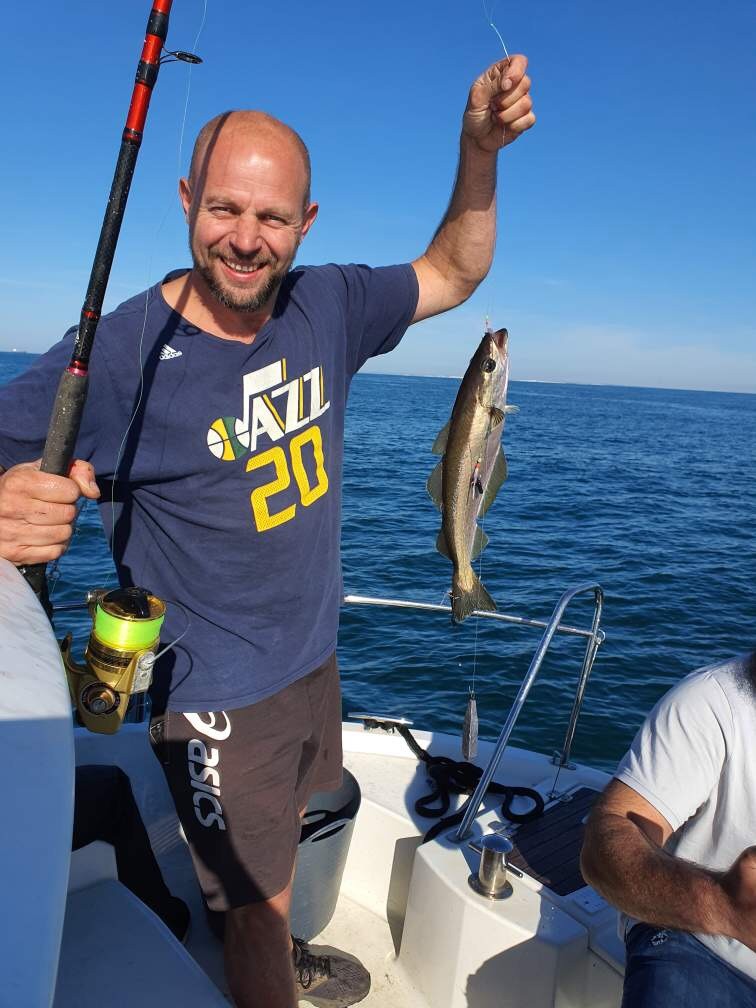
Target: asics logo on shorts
x: 208, y: 727
x: 204, y: 772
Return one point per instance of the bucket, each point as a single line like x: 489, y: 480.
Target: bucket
x: 327, y: 827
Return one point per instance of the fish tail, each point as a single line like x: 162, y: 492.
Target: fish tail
x: 468, y: 594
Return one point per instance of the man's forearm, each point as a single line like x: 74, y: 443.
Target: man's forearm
x: 462, y: 248
x: 639, y: 878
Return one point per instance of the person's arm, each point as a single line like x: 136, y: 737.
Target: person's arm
x: 623, y: 859
x: 499, y: 109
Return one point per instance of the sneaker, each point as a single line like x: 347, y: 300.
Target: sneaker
x: 328, y: 981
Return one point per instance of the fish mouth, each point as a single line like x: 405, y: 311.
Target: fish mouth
x: 500, y: 337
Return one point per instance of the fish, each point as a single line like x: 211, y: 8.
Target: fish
x: 472, y: 469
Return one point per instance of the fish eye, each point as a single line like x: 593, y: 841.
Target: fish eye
x: 489, y: 364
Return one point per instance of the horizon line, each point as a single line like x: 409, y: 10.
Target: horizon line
x: 557, y: 381
x: 527, y: 381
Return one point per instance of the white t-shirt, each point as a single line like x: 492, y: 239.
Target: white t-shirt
x: 694, y: 760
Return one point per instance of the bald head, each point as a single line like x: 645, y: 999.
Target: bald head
x: 248, y: 126
x: 247, y: 204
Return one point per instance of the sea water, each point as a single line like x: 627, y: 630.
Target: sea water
x: 651, y: 493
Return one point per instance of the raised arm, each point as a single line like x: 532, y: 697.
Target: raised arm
x: 623, y: 860
x: 499, y: 109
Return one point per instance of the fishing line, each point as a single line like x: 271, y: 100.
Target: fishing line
x: 489, y: 19
x: 470, y: 729
x: 53, y: 571
x: 480, y: 578
x: 140, y: 348
x: 188, y: 87
x: 470, y: 726
x: 183, y: 633
x: 488, y: 13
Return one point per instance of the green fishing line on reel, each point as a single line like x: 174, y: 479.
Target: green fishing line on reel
x: 119, y: 656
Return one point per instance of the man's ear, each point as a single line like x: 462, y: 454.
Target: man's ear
x: 185, y: 195
x: 309, y: 218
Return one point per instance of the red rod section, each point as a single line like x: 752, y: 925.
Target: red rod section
x: 157, y: 28
x: 146, y: 76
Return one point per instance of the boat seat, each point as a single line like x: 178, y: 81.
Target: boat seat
x: 605, y: 941
x: 116, y: 951
x: 93, y: 863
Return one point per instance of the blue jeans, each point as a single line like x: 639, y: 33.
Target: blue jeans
x: 672, y: 969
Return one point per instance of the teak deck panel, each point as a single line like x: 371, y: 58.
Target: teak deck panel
x: 548, y: 848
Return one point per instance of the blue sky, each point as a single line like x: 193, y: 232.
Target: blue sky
x: 627, y: 247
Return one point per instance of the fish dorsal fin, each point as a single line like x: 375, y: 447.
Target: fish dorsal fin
x: 480, y: 542
x: 442, y: 545
x: 497, y: 477
x: 439, y: 445
x: 434, y: 484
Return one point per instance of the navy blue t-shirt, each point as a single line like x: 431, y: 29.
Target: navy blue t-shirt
x: 228, y: 492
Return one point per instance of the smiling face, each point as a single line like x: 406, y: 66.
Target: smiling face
x: 247, y: 205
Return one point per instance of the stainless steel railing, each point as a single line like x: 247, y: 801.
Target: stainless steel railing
x: 594, y: 638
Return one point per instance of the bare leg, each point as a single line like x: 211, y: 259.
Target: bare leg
x: 257, y: 950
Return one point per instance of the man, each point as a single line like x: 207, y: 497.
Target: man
x: 226, y: 495
x: 670, y: 843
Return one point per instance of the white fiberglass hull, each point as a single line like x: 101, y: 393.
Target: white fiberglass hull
x: 405, y: 908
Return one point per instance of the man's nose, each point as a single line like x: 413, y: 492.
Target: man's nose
x: 247, y: 236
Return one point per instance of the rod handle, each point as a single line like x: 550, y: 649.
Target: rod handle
x: 58, y: 455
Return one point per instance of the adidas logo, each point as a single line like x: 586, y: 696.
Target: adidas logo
x: 168, y: 353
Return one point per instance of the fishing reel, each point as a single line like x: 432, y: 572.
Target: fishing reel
x: 119, y: 656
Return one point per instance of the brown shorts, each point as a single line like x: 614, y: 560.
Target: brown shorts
x: 239, y: 780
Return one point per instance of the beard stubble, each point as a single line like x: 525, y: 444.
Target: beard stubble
x: 245, y: 303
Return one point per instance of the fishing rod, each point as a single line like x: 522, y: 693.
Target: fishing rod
x: 72, y: 389
x: 120, y: 654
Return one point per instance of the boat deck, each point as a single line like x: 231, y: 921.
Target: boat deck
x: 369, y: 937
x: 371, y: 916
x: 353, y: 928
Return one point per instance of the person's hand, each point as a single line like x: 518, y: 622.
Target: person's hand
x: 739, y: 884
x: 499, y: 107
x: 37, y: 510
